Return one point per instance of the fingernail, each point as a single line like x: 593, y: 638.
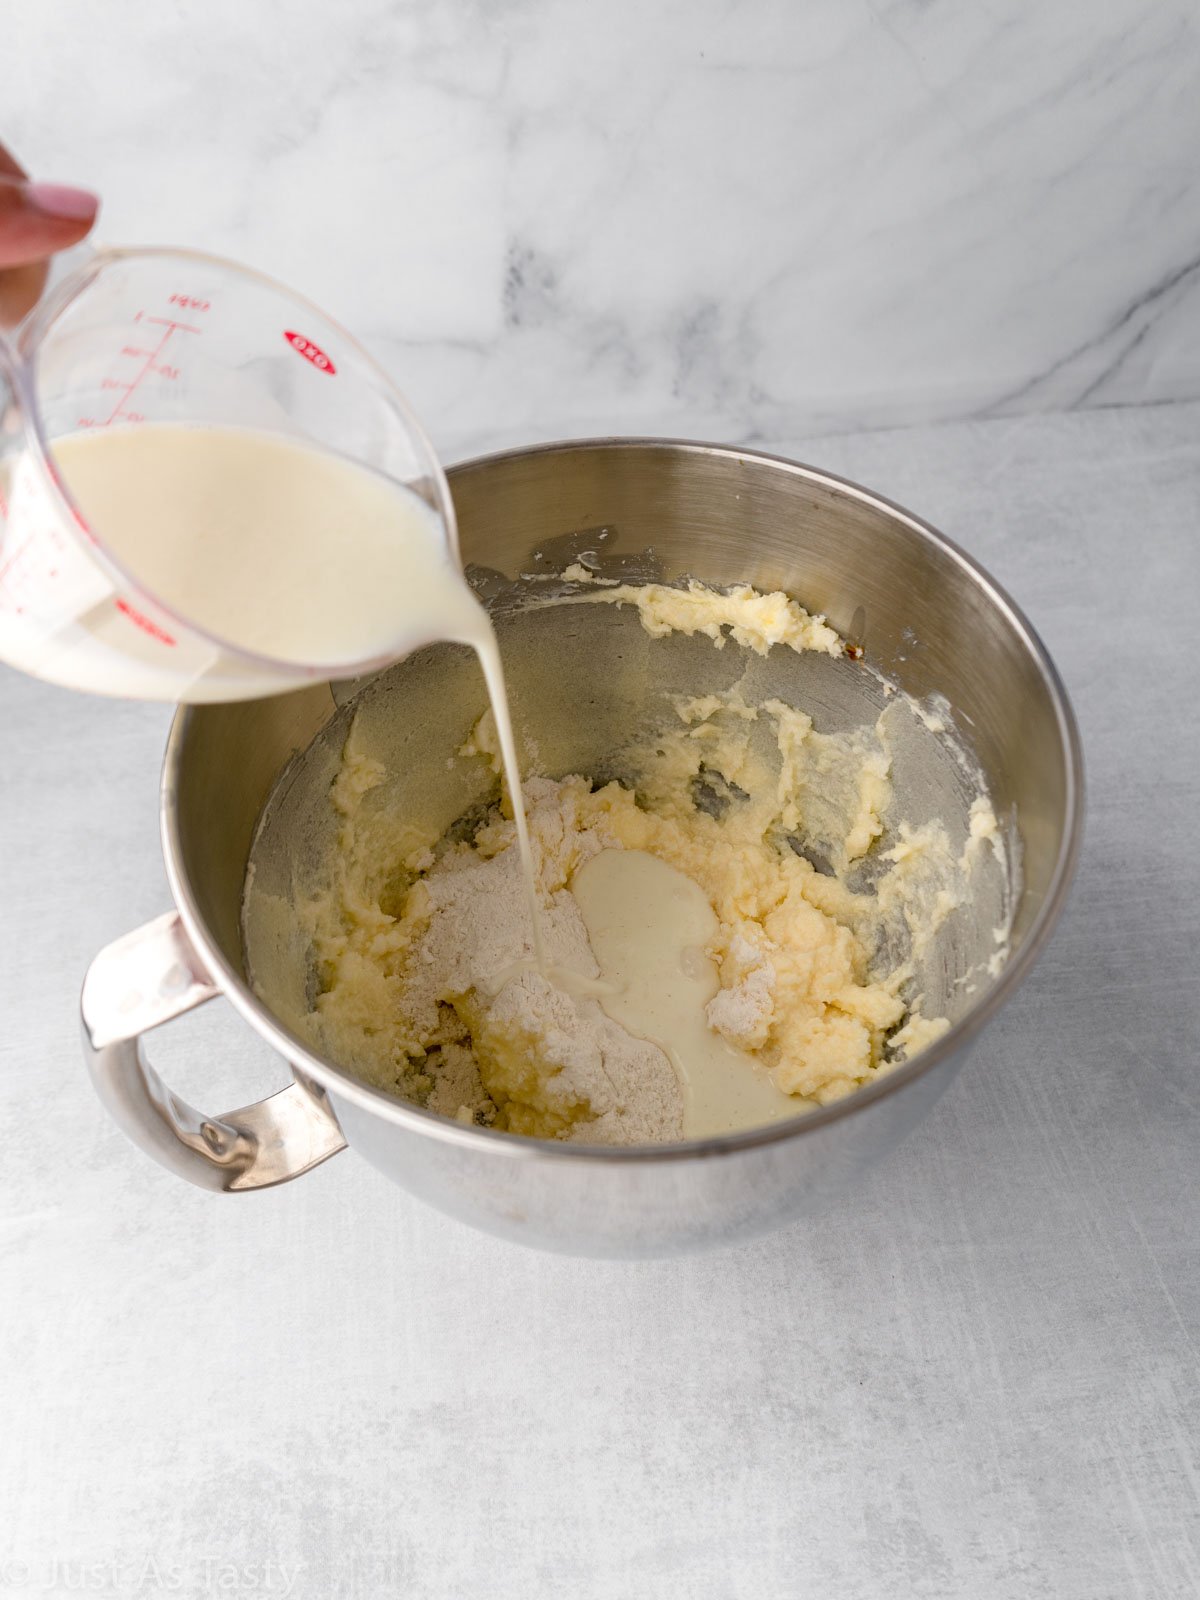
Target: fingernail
x: 60, y: 200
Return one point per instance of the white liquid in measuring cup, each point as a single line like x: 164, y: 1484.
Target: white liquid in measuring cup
x: 286, y: 551
x: 276, y: 547
x: 258, y: 563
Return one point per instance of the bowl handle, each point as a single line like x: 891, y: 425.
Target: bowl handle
x: 145, y: 979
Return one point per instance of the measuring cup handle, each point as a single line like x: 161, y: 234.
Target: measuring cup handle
x: 145, y: 979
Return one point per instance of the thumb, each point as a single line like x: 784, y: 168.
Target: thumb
x: 38, y: 219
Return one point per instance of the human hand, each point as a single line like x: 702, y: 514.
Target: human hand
x: 36, y: 221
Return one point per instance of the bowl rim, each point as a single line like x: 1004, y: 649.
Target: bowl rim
x: 343, y: 1086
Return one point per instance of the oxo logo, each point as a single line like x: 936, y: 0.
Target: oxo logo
x: 310, y: 351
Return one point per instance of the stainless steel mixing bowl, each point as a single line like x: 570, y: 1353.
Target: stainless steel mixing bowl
x: 923, y: 612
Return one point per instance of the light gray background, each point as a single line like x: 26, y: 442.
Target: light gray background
x: 978, y: 1380
x: 759, y: 221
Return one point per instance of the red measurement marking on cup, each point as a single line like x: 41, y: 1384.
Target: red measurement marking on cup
x: 310, y: 351
x: 140, y: 620
x: 29, y: 560
x: 151, y: 359
x: 12, y: 584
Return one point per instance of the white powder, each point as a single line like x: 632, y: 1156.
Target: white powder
x: 608, y: 1087
x: 743, y: 1011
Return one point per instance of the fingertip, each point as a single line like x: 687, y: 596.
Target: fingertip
x: 62, y: 201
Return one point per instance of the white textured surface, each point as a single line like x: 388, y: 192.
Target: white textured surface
x: 978, y: 1383
x: 737, y: 220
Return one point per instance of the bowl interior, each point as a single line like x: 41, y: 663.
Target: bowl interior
x: 579, y: 675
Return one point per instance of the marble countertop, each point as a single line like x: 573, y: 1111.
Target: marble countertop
x: 977, y: 1381
x: 692, y: 216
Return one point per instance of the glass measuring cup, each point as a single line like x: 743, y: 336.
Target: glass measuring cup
x: 132, y: 337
